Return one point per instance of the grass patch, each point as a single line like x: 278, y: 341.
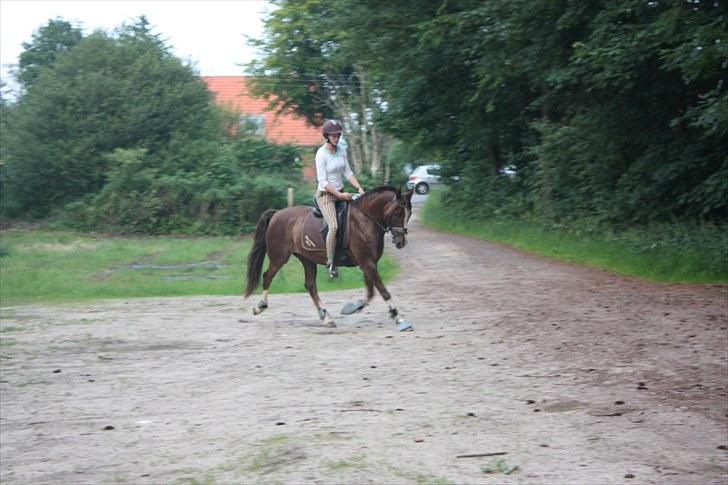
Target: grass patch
x: 63, y: 266
x: 671, y: 253
x: 356, y: 462
x: 7, y: 342
x: 414, y: 477
x: 432, y: 480
x: 273, y: 455
x: 500, y: 466
x: 205, y: 481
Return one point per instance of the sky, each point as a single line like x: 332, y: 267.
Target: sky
x: 210, y: 34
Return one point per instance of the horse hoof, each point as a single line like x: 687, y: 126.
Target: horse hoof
x: 403, y: 325
x: 330, y: 324
x: 258, y: 309
x: 353, y: 307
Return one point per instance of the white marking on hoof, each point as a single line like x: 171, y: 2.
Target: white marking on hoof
x: 328, y: 321
x: 262, y: 305
x: 403, y: 325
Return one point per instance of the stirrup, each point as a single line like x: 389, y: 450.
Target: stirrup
x: 333, y: 273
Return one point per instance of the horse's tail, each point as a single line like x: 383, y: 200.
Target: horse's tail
x: 257, y: 252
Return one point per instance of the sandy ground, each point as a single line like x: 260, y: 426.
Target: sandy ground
x: 520, y: 370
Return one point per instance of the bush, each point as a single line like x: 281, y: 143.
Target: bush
x: 197, y: 188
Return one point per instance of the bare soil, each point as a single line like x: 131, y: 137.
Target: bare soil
x: 520, y: 370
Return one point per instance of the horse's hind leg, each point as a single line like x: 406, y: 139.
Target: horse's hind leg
x: 276, y: 262
x: 310, y: 270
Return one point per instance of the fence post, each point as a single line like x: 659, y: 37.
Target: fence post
x: 290, y: 196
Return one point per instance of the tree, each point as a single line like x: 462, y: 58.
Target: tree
x: 48, y: 42
x: 648, y: 77
x: 610, y: 110
x: 109, y: 92
x: 310, y: 69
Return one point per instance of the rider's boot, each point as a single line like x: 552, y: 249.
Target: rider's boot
x: 331, y: 267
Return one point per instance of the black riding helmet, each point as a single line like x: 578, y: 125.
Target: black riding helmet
x: 331, y: 127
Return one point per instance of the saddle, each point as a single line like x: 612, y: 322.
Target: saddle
x: 315, y: 228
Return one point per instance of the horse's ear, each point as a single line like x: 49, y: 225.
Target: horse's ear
x: 408, y: 195
x: 399, y: 192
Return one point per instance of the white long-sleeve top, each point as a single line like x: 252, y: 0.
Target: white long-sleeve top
x: 332, y: 168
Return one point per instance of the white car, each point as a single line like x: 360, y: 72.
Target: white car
x: 424, y: 177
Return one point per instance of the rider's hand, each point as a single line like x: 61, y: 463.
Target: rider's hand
x: 345, y: 196
x: 361, y: 190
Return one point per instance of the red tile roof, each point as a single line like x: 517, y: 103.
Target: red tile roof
x: 231, y: 91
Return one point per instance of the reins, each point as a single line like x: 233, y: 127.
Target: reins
x: 356, y: 204
x: 386, y: 227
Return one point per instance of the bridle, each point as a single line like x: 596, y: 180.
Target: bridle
x: 396, y: 231
x: 387, y: 227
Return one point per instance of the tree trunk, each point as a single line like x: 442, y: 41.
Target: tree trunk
x: 352, y: 137
x: 363, y: 118
x: 375, y: 162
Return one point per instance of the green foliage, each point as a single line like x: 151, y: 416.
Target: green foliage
x: 48, y: 42
x: 500, y: 466
x: 313, y: 67
x: 613, y: 114
x: 613, y: 111
x: 302, y: 52
x: 224, y: 192
x: 116, y: 134
x: 105, y: 93
x: 681, y: 252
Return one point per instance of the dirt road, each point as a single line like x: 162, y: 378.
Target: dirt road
x: 520, y: 370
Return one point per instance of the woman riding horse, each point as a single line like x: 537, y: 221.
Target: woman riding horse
x: 332, y: 166
x: 282, y: 233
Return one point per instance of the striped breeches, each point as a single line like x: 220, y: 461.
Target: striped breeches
x: 327, y: 204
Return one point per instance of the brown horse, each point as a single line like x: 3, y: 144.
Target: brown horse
x: 286, y: 232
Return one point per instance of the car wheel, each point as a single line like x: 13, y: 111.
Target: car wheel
x: 422, y: 188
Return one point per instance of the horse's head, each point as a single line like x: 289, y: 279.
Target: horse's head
x: 397, y: 213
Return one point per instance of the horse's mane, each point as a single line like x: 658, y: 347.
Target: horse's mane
x: 378, y: 190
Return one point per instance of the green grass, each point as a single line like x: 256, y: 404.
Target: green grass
x: 663, y: 253
x: 62, y: 266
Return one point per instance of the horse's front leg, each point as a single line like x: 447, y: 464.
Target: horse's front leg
x: 370, y: 289
x: 371, y: 274
x: 310, y: 270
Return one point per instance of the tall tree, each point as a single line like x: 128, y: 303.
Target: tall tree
x: 109, y: 92
x: 614, y: 110
x: 309, y: 68
x: 52, y: 39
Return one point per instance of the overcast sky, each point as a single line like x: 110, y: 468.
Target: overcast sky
x: 209, y: 33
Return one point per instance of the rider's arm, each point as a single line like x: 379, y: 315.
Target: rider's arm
x: 339, y: 195
x: 356, y: 183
